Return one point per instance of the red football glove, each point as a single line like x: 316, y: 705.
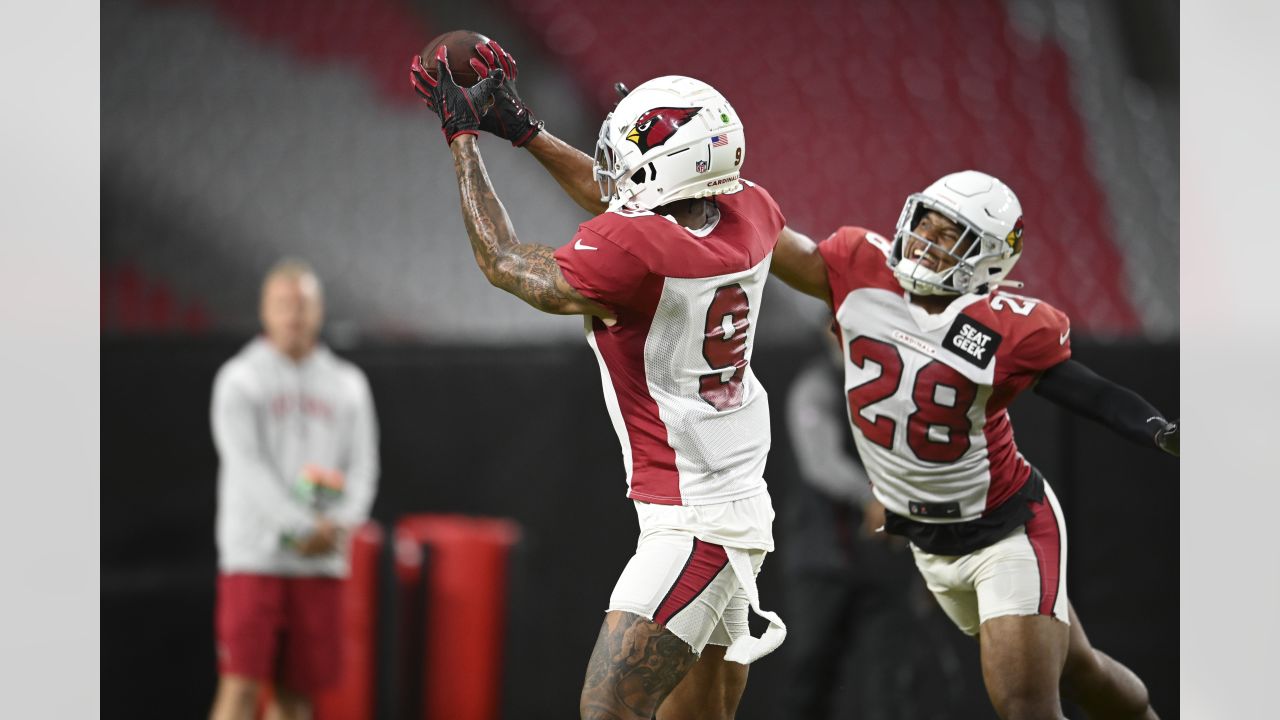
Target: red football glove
x: 459, y: 108
x: 510, y: 118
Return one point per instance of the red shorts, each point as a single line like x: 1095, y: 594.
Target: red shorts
x: 280, y: 629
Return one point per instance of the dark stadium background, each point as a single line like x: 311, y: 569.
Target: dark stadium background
x: 235, y: 132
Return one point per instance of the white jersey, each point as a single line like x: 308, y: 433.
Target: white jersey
x: 271, y: 417
x: 928, y: 393
x: 692, y: 418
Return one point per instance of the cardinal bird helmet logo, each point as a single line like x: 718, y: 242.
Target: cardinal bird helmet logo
x: 1014, y: 238
x: 657, y: 126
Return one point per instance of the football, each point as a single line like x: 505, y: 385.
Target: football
x: 461, y: 44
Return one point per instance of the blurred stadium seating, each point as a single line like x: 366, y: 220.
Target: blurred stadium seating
x: 132, y: 303
x: 851, y: 106
x: 262, y: 129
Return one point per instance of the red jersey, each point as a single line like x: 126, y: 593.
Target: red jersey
x: 692, y: 419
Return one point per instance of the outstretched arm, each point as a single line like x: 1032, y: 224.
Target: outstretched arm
x: 797, y: 262
x: 571, y: 168
x: 1084, y: 392
x: 514, y: 120
x: 528, y: 271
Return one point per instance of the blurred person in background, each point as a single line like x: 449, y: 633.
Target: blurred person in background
x: 297, y: 444
x: 856, y: 646
x: 669, y: 276
x: 934, y: 351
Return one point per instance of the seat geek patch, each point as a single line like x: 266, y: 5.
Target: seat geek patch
x: 972, y: 340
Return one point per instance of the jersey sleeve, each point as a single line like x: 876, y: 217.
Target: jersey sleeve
x: 1046, y: 342
x: 838, y: 254
x: 601, y: 269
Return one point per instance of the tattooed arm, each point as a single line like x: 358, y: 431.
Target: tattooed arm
x: 513, y: 120
x: 528, y: 271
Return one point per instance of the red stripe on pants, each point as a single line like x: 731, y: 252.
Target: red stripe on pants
x: 704, y: 563
x: 1042, y: 531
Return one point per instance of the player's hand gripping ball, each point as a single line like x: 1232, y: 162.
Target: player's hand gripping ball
x: 511, y: 119
x: 473, y: 56
x: 460, y: 109
x: 462, y: 57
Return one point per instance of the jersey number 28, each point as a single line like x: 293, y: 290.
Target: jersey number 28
x: 931, y: 410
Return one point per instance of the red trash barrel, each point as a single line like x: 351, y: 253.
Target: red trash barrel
x: 353, y: 697
x: 466, y: 608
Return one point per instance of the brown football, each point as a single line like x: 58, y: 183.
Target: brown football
x: 462, y: 48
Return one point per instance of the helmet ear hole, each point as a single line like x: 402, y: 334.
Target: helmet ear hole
x: 638, y: 177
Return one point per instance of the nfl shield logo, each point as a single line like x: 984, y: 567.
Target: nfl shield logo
x: 700, y: 166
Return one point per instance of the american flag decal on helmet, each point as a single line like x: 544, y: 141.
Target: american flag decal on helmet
x: 719, y: 140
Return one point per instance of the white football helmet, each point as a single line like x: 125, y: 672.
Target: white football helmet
x: 990, y: 218
x: 671, y: 138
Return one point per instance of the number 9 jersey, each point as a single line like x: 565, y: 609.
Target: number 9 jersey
x: 691, y: 416
x: 928, y: 394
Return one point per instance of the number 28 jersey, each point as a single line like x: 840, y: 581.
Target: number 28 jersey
x: 691, y: 416
x: 927, y: 394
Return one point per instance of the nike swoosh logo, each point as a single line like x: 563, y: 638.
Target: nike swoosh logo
x: 1062, y: 339
x: 579, y: 245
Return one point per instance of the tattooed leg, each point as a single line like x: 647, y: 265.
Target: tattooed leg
x: 636, y: 663
x: 710, y: 691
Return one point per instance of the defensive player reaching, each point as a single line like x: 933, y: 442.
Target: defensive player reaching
x: 934, y: 354
x: 669, y: 281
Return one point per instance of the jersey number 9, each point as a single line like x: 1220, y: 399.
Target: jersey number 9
x: 724, y: 347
